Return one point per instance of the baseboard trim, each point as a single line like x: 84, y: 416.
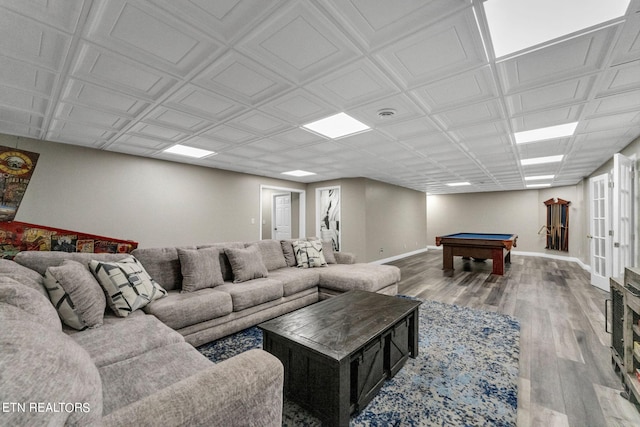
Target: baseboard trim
x: 540, y: 254
x: 397, y: 257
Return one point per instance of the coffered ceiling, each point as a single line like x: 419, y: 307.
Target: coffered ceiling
x: 239, y: 77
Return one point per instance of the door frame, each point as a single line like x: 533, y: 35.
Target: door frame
x: 301, y: 211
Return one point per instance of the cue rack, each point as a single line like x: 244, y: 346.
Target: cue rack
x: 557, y: 224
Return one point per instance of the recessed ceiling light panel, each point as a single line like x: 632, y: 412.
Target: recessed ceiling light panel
x: 336, y: 126
x: 538, y: 185
x: 298, y: 173
x: 516, y: 25
x: 185, y: 150
x: 538, y: 177
x: 458, y: 184
x: 541, y: 160
x: 543, y: 134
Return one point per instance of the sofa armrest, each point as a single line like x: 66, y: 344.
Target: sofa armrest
x: 345, y: 257
x: 246, y: 389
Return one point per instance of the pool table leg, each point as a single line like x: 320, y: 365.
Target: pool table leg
x: 447, y: 260
x: 497, y: 257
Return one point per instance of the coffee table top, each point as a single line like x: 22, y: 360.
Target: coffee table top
x: 339, y: 326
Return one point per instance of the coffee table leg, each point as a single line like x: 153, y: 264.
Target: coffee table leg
x: 339, y: 411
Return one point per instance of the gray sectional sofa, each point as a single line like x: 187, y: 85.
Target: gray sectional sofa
x: 143, y: 367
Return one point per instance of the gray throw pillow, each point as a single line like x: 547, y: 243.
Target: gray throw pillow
x: 75, y: 294
x: 200, y: 268
x: 327, y: 251
x: 127, y: 285
x: 246, y: 263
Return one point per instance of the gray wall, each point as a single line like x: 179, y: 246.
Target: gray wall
x: 519, y: 212
x: 375, y: 216
x: 155, y: 202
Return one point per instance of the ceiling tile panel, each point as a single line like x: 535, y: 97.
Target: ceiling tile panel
x: 239, y: 77
x: 470, y: 115
x: 554, y: 95
x: 353, y: 84
x: 148, y: 34
x: 83, y: 93
x: 83, y: 114
x: 160, y: 132
x: 463, y: 89
x: 300, y: 42
x: 549, y: 117
x: 628, y: 46
x: 229, y: 134
x: 32, y: 42
x: 227, y: 20
x: 376, y: 23
x: 451, y: 46
x: 195, y: 100
x: 62, y: 14
x: 402, y: 106
x: 115, y: 71
x: 260, y: 123
x: 177, y: 120
x: 401, y: 130
x: 575, y: 57
x: 620, y: 78
x: 299, y: 107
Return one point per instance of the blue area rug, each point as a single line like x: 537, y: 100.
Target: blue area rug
x: 466, y: 373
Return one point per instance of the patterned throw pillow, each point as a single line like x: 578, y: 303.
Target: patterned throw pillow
x: 127, y: 284
x: 309, y: 253
x: 200, y: 268
x: 75, y: 294
x: 246, y: 263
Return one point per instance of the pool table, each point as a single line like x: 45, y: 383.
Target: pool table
x: 496, y: 247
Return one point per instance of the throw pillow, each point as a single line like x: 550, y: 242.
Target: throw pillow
x: 327, y: 251
x: 246, y: 263
x: 200, y: 268
x: 309, y: 253
x: 127, y: 285
x: 75, y: 294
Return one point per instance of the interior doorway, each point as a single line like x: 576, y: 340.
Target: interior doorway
x: 281, y: 216
x: 297, y: 211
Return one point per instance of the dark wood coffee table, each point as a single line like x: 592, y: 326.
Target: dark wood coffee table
x: 338, y: 353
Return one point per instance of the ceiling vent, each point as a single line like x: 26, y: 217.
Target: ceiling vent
x: 386, y: 113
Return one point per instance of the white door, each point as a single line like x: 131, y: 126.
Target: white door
x: 622, y: 216
x: 599, y: 231
x: 282, y: 216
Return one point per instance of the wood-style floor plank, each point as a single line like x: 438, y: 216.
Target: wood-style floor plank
x: 566, y: 376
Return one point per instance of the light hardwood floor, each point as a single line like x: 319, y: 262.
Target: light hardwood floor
x: 566, y: 375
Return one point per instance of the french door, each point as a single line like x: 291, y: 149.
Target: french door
x: 623, y: 234
x: 599, y: 231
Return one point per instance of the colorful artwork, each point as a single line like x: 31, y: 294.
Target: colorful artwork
x: 16, y: 168
x: 328, y: 202
x: 18, y: 236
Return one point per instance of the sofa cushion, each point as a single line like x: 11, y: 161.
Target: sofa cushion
x: 42, y: 367
x: 75, y: 294
x: 127, y: 285
x: 200, y: 268
x: 41, y: 260
x: 24, y: 275
x: 179, y: 310
x: 309, y: 253
x: 225, y: 265
x: 246, y: 263
x: 295, y: 280
x: 162, y: 264
x: 366, y: 277
x: 252, y: 293
x: 119, y: 339
x: 19, y: 302
x: 132, y: 379
x: 271, y: 252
